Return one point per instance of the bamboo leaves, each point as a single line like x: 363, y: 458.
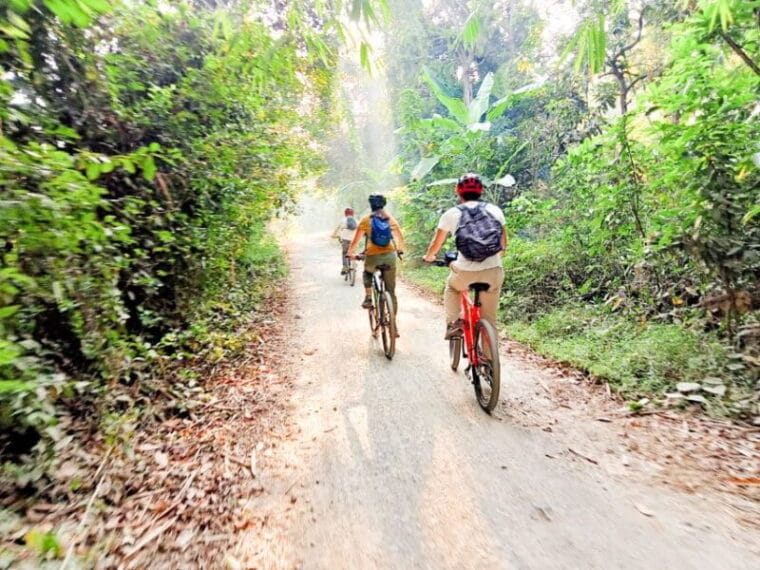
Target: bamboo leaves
x: 719, y: 11
x: 589, y: 44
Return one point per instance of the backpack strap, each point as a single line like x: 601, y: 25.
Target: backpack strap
x: 462, y: 208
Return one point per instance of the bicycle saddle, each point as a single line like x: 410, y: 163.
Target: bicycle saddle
x: 383, y: 267
x: 480, y: 287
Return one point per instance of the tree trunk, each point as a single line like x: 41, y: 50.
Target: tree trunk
x: 466, y: 63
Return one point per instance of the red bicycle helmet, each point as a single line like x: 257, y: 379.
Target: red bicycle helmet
x: 348, y: 212
x: 469, y: 183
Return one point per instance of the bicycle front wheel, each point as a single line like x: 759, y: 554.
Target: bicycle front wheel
x: 372, y: 320
x: 455, y: 351
x: 387, y: 319
x: 486, y: 374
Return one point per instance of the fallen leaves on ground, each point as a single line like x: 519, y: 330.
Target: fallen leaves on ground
x: 685, y: 450
x: 178, y: 490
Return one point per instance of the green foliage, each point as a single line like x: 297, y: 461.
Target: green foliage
x: 143, y: 150
x: 428, y: 277
x: 46, y: 544
x: 636, y: 358
x: 590, y: 43
x: 644, y: 215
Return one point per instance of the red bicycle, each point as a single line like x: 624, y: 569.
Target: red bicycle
x: 478, y: 343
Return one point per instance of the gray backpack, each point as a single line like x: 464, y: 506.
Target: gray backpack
x: 478, y: 234
x: 351, y: 223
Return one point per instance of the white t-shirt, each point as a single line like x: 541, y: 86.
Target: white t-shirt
x: 449, y: 222
x: 344, y: 233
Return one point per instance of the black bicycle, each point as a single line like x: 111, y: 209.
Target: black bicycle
x: 382, y: 314
x: 350, y: 272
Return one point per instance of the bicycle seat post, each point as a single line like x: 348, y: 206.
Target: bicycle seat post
x: 478, y: 288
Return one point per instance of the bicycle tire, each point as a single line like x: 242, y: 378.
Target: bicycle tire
x: 455, y: 352
x: 372, y: 321
x: 488, y: 370
x: 352, y: 276
x: 387, y: 319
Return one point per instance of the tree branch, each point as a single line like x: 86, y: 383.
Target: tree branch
x: 740, y: 52
x: 635, y: 81
x: 631, y: 45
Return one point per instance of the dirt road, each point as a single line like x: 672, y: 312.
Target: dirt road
x: 395, y: 466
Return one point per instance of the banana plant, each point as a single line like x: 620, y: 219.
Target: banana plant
x: 466, y: 121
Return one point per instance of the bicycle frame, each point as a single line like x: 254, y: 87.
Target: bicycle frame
x: 378, y: 283
x: 471, y: 316
x: 378, y: 288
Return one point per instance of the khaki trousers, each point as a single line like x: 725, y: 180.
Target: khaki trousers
x: 460, y: 280
x: 344, y: 243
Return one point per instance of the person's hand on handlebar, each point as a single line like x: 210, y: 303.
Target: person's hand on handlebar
x: 428, y: 258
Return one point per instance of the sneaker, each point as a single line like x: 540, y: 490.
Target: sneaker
x: 343, y: 271
x: 454, y: 329
x: 367, y: 304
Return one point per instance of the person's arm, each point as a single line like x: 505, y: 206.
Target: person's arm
x: 357, y: 238
x: 435, y: 245
x: 398, y: 236
x: 337, y: 231
x: 501, y: 219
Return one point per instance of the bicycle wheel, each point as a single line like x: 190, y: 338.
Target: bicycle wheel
x: 352, y: 274
x: 372, y: 321
x: 486, y: 376
x: 387, y: 320
x: 455, y: 351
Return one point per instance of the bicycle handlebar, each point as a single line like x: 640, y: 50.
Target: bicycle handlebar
x: 448, y: 258
x: 360, y: 256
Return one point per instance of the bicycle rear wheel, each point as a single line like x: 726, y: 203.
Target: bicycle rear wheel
x: 455, y: 351
x: 486, y: 375
x: 387, y: 319
x: 352, y: 274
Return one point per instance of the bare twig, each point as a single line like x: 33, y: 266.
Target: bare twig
x: 147, y: 538
x: 254, y: 471
x: 85, y: 516
x: 589, y: 459
x: 293, y: 484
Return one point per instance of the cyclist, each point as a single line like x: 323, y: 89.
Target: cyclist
x: 345, y: 233
x: 384, y: 242
x: 480, y: 240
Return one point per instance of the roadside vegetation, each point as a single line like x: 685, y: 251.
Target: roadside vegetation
x: 626, y: 159
x: 144, y: 146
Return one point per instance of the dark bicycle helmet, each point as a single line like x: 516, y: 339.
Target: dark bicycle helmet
x: 377, y: 201
x: 469, y: 183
